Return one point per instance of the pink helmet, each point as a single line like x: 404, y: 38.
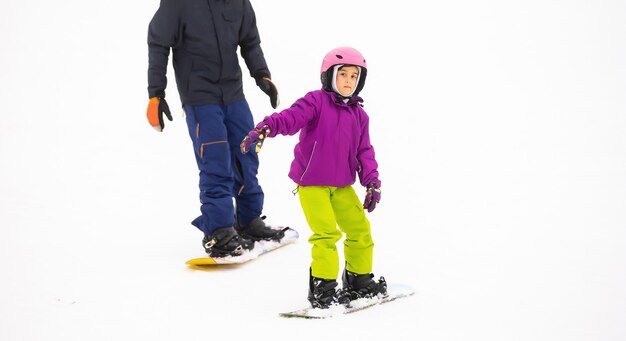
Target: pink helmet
x: 343, y: 56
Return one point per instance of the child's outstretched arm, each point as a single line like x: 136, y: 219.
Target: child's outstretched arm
x: 286, y: 122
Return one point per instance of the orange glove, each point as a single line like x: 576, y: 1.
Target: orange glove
x: 156, y: 108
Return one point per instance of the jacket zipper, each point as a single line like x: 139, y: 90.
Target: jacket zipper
x: 310, y: 158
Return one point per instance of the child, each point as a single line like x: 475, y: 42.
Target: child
x: 334, y: 146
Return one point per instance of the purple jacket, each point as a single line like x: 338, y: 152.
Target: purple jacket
x: 334, y: 140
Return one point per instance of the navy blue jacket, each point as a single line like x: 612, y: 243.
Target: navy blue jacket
x: 204, y: 36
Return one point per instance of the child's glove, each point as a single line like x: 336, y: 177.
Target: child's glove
x: 267, y: 86
x: 256, y: 135
x: 372, y: 197
x: 156, y: 108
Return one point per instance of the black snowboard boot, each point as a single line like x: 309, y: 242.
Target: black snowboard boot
x: 257, y: 230
x: 226, y: 242
x: 359, y: 286
x: 322, y: 293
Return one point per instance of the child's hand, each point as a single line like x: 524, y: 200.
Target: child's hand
x: 256, y: 135
x: 372, y: 198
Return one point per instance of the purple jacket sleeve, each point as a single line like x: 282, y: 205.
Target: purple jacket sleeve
x: 291, y: 120
x: 368, y: 167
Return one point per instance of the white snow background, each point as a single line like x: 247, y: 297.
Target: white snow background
x: 499, y: 127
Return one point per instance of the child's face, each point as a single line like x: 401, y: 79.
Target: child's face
x: 346, y: 79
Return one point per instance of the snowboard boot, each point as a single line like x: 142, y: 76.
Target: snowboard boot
x: 360, y: 286
x: 226, y: 242
x: 322, y: 293
x: 256, y: 230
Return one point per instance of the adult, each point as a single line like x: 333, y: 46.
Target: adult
x: 204, y: 36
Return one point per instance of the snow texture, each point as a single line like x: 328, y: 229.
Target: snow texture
x: 499, y: 130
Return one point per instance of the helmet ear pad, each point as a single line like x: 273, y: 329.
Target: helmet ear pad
x: 326, y: 80
x: 361, y: 84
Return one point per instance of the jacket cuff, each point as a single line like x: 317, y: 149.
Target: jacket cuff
x: 158, y: 94
x: 259, y: 78
x: 269, y: 125
x: 376, y: 183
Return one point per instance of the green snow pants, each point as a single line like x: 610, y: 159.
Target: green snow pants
x: 325, y: 208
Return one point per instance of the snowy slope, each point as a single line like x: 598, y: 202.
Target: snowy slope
x: 499, y: 130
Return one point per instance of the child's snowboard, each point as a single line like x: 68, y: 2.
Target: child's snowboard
x: 260, y: 248
x: 394, y: 292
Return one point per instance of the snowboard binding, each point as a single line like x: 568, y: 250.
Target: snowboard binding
x: 363, y: 286
x: 256, y: 230
x: 226, y: 242
x: 323, y: 295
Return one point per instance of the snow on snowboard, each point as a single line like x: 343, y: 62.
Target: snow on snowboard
x: 394, y: 292
x: 260, y: 248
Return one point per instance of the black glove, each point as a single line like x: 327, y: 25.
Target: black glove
x: 156, y: 108
x: 267, y: 86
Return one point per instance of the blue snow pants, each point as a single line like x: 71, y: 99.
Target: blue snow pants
x: 225, y: 173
